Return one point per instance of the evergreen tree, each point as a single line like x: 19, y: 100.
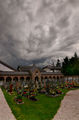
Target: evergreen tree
x: 71, y: 66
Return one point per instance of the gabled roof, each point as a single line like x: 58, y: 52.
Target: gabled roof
x: 3, y: 63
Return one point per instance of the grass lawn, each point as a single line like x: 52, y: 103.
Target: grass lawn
x: 43, y: 109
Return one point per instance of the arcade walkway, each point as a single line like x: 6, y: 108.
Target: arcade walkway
x: 69, y: 109
x: 5, y: 112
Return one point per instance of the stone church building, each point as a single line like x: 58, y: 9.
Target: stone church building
x: 26, y: 74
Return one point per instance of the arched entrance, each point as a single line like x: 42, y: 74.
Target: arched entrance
x: 8, y: 80
x: 27, y: 79
x: 37, y: 84
x: 36, y: 78
x: 15, y: 79
x: 1, y: 81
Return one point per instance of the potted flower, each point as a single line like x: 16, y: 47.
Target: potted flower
x: 58, y: 91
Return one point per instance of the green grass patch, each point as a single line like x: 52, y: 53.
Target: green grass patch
x: 43, y: 109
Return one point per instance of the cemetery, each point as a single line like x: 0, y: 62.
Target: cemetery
x: 33, y: 93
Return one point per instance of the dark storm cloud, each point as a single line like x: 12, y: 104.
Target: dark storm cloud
x: 38, y: 30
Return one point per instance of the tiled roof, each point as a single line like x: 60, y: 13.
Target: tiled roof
x: 51, y: 73
x: 7, y: 65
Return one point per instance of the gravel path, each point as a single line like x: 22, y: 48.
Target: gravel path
x: 69, y: 109
x: 5, y: 111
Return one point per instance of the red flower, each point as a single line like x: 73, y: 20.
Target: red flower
x: 19, y: 100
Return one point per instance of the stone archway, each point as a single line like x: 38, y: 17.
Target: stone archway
x: 8, y: 80
x: 15, y: 79
x: 37, y: 81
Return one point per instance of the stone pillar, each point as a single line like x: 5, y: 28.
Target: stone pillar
x: 44, y: 83
x: 4, y: 80
x: 12, y: 79
x: 24, y: 78
x: 18, y: 78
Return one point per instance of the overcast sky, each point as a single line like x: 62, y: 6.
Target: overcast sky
x: 38, y: 30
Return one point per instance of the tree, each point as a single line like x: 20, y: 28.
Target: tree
x: 71, y: 66
x: 58, y: 64
x: 75, y: 55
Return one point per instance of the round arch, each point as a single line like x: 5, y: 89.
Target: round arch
x: 28, y: 78
x: 8, y: 79
x: 54, y: 77
x: 1, y: 78
x: 57, y: 77
x: 22, y: 78
x: 15, y: 79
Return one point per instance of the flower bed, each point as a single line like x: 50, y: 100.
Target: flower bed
x: 18, y: 99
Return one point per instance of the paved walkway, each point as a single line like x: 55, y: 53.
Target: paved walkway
x: 5, y: 111
x: 69, y: 109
